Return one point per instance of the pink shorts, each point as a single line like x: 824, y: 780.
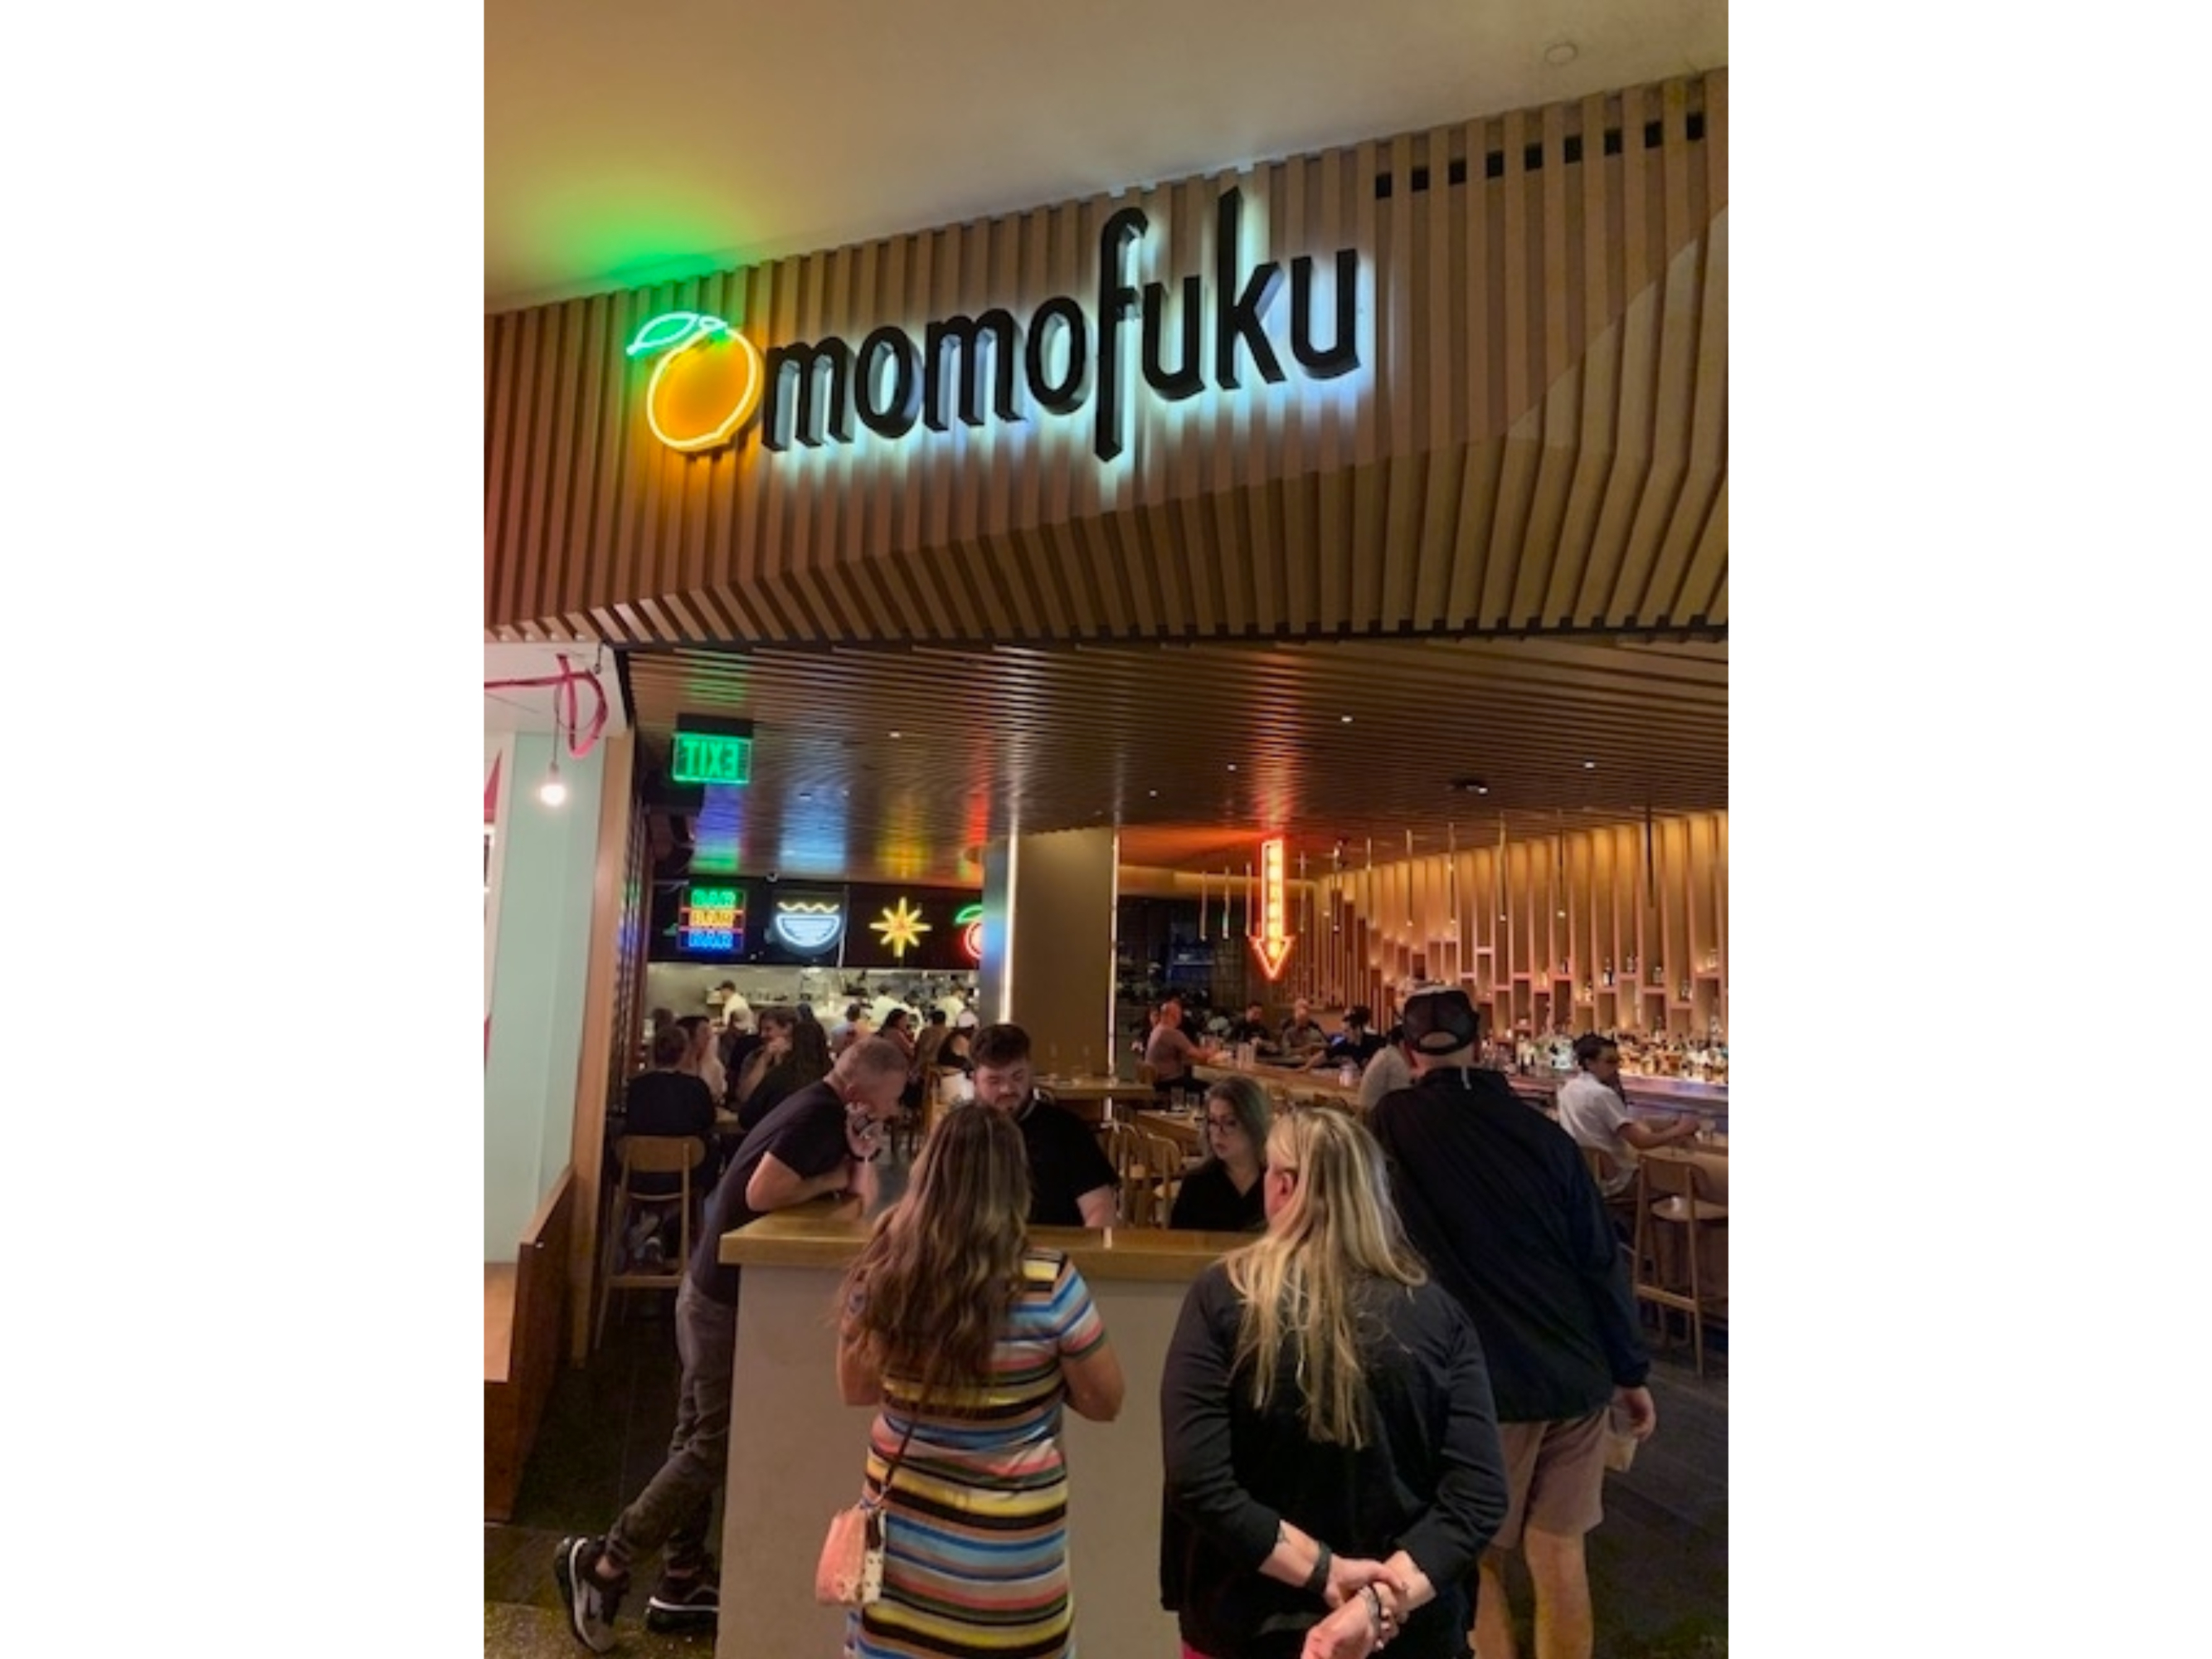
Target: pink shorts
x: 1554, y: 1477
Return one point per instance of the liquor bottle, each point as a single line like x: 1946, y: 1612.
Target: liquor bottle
x: 1629, y: 966
x: 1608, y: 973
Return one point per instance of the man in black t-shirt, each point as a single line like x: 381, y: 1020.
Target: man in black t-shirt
x: 821, y: 1140
x: 1496, y: 1197
x: 1072, y: 1182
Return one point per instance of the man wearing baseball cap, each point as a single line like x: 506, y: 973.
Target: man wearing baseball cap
x: 1497, y: 1197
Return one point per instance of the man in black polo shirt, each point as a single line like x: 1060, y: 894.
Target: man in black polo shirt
x: 817, y: 1141
x: 1072, y: 1182
x: 1496, y: 1198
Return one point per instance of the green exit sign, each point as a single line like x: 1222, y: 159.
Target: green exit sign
x: 710, y: 758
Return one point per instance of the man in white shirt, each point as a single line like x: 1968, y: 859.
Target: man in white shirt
x: 1594, y: 1112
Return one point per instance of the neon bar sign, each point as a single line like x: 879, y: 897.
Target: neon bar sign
x: 1271, y: 942
x: 708, y: 380
x: 713, y: 919
x: 710, y: 758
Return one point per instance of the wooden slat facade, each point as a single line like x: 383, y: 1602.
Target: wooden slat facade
x: 1533, y: 928
x: 1540, y: 446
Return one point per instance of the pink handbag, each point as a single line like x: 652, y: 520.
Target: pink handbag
x: 850, y: 1572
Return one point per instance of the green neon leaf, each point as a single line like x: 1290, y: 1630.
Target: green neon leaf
x: 674, y: 328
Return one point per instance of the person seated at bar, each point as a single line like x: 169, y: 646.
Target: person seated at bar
x: 1222, y: 1195
x: 1334, y: 1469
x: 1392, y: 1067
x: 1255, y: 1029
x: 1072, y: 1182
x: 776, y: 1026
x: 1595, y: 1111
x: 1171, y: 1054
x: 807, y: 1062
x: 1301, y: 1033
x: 704, y: 1062
x: 1354, y: 1046
x: 665, y: 1101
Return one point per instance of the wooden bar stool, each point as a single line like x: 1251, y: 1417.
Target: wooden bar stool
x: 1669, y: 1188
x: 676, y: 1155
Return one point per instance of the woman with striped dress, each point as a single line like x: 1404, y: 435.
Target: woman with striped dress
x: 971, y: 1340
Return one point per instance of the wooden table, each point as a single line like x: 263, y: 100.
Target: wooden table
x: 1280, y: 1081
x: 1090, y: 1098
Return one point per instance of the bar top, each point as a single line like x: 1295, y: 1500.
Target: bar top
x: 827, y: 1233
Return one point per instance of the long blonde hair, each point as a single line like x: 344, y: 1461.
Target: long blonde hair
x: 929, y: 1289
x: 1297, y: 1283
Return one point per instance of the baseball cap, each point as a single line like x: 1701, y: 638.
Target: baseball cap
x: 1439, y: 1019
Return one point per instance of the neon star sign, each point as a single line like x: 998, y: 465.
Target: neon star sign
x: 1271, y: 942
x: 901, y: 929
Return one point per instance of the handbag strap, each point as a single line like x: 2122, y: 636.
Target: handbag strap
x: 883, y: 1492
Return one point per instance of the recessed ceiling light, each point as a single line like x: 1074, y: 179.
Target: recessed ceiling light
x: 1589, y: 766
x: 1560, y: 53
x: 1347, y: 719
x: 898, y: 734
x: 1153, y: 792
x: 1232, y: 766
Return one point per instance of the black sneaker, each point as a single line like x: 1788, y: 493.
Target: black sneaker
x: 591, y: 1604
x: 692, y: 1603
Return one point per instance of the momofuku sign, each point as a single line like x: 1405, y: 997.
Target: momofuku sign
x: 1228, y: 333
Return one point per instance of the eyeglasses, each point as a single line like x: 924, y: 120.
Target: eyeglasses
x: 1213, y: 1123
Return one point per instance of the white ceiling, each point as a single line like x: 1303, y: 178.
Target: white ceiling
x: 635, y: 143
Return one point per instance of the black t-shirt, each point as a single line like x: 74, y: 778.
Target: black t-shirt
x: 1251, y: 1031
x: 669, y: 1103
x: 1065, y: 1162
x: 1208, y: 1201
x: 1429, y: 1481
x: 1496, y: 1197
x: 806, y: 1133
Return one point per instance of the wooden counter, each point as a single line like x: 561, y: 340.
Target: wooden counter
x: 796, y: 1451
x: 829, y: 1234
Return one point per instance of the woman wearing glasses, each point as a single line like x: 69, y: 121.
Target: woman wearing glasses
x: 1332, y: 1465
x: 1222, y: 1195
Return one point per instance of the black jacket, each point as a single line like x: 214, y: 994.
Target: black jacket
x: 1498, y: 1199
x: 1430, y: 1479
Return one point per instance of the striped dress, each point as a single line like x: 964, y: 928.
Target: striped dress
x: 975, y: 1534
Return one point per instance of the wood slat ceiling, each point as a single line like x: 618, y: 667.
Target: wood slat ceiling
x: 991, y: 740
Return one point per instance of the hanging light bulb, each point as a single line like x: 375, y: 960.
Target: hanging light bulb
x: 553, y: 791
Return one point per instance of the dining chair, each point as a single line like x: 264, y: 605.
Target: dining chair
x: 1127, y: 1149
x: 637, y: 1155
x: 1668, y: 1200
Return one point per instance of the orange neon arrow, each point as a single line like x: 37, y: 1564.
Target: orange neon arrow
x: 1271, y: 943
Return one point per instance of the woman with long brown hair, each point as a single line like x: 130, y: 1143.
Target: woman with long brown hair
x: 806, y: 1062
x: 1332, y: 1465
x: 971, y: 1340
